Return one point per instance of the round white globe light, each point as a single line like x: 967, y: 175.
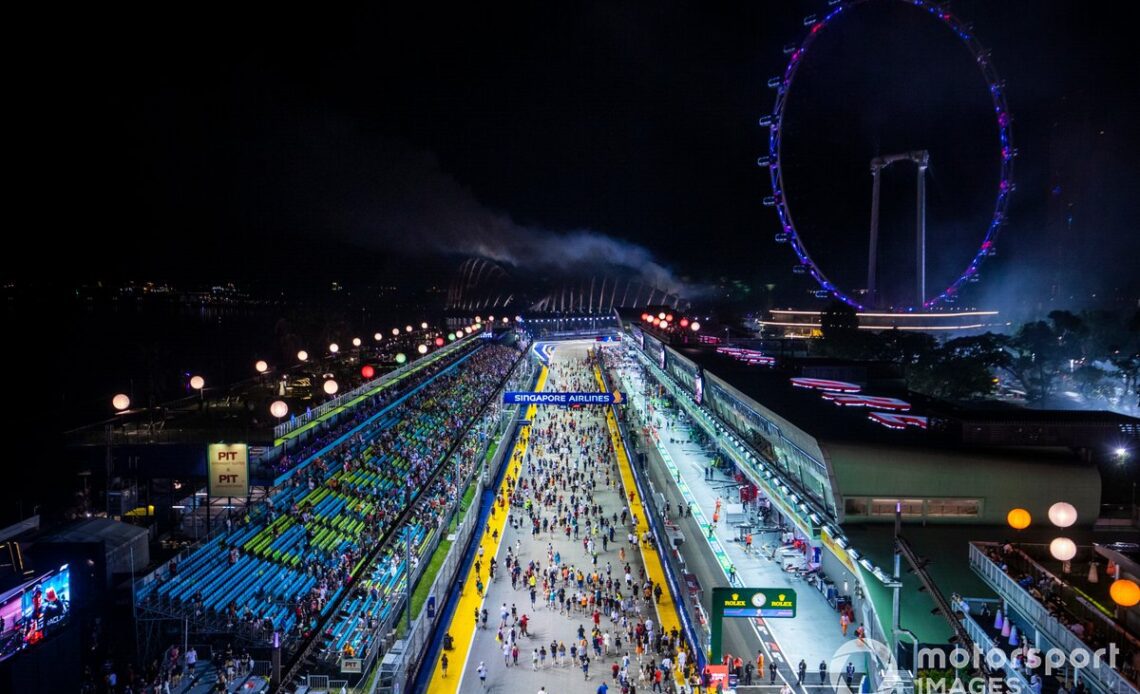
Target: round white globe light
x: 197, y: 382
x: 1063, y: 549
x: 121, y: 402
x: 334, y: 348
x: 330, y: 386
x: 261, y: 366
x: 302, y: 356
x: 279, y: 409
x: 1062, y: 514
x: 422, y: 349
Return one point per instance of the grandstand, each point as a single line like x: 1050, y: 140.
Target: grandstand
x: 322, y: 561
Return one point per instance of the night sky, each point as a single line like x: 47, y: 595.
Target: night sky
x: 278, y: 146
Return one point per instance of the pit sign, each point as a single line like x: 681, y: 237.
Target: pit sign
x: 227, y: 467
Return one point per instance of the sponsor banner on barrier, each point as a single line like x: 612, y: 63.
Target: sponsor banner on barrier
x: 562, y: 399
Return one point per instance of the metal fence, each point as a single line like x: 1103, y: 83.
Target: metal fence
x: 324, y: 408
x: 1098, y: 677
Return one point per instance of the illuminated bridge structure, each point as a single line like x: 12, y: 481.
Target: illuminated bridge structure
x: 483, y: 286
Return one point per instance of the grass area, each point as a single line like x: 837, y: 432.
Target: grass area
x: 419, y: 596
x: 493, y: 447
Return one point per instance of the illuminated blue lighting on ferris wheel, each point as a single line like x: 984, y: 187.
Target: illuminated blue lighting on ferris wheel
x: 774, y: 123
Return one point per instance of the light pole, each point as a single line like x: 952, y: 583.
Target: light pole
x: 199, y: 384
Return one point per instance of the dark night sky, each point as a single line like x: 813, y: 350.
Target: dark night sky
x: 272, y: 144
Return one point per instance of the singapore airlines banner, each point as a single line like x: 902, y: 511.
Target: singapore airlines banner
x: 561, y: 399
x: 227, y: 467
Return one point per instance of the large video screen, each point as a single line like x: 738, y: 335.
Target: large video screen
x: 34, y: 611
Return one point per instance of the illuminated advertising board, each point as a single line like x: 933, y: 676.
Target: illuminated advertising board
x: 511, y: 397
x: 34, y: 611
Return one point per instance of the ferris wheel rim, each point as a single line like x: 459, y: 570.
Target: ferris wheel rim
x: 996, y: 88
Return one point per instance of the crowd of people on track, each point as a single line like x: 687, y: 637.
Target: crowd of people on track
x: 580, y: 558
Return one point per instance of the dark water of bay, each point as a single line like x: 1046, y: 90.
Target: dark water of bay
x: 64, y: 360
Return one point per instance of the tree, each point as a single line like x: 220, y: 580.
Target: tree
x: 1042, y: 350
x: 960, y: 369
x: 838, y: 320
x: 842, y: 337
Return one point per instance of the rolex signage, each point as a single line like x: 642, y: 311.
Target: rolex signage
x: 748, y: 603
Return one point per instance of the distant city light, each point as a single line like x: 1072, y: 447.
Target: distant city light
x: 695, y: 326
x: 367, y: 371
x: 422, y: 349
x: 439, y: 342
x: 121, y: 402
x: 423, y: 325
x: 279, y: 409
x: 401, y: 358
x: 395, y: 332
x: 302, y: 356
x: 261, y: 366
x: 330, y: 386
x: 334, y: 348
x: 377, y: 337
x: 408, y: 328
x: 356, y: 342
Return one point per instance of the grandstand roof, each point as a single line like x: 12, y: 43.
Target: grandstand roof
x: 949, y: 424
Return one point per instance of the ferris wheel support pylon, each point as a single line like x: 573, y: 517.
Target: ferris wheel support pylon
x: 921, y: 158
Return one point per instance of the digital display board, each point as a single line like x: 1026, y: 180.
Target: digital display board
x: 34, y: 611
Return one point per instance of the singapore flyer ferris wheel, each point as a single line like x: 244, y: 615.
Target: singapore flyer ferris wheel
x: 922, y: 297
